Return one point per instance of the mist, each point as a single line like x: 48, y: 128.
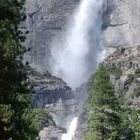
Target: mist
x: 77, y: 53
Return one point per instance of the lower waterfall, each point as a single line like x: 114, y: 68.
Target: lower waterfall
x: 71, y: 131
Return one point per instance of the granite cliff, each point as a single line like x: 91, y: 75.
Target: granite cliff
x: 47, y: 19
x: 124, y: 68
x: 121, y: 25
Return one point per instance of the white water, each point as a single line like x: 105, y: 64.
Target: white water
x: 71, y: 130
x: 77, y: 54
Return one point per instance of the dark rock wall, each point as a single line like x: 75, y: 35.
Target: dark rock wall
x: 48, y: 89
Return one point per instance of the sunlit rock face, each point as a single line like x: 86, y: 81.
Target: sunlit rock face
x: 121, y: 23
x: 45, y: 20
x: 124, y: 68
x: 48, y: 18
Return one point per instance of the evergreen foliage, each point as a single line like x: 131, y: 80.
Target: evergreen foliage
x: 15, y: 100
x: 108, y: 119
x: 35, y: 120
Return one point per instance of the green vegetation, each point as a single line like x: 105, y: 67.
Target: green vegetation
x: 133, y: 122
x: 17, y: 117
x: 34, y: 120
x: 108, y: 118
x: 114, y: 71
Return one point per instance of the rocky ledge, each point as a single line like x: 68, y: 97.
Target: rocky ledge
x: 52, y: 94
x: 124, y: 68
x: 48, y: 89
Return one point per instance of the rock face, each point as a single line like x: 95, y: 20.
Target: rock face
x: 50, y: 133
x: 121, y: 23
x: 48, y: 89
x: 124, y: 68
x: 53, y: 94
x: 45, y: 20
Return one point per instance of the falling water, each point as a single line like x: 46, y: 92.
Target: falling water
x: 71, y: 130
x: 76, y: 56
x: 77, y: 53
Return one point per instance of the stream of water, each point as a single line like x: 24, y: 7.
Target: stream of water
x: 80, y: 51
x: 71, y: 130
x: 76, y: 55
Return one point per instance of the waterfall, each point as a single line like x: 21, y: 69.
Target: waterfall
x: 76, y: 55
x: 71, y: 130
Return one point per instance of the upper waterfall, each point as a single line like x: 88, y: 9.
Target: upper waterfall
x: 78, y: 53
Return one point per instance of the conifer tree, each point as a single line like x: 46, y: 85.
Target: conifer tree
x: 104, y: 120
x: 15, y: 99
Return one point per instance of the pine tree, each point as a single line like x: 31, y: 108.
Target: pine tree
x: 105, y: 120
x: 15, y: 99
x: 131, y: 119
